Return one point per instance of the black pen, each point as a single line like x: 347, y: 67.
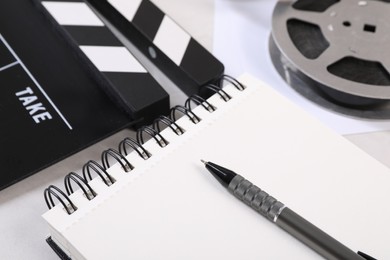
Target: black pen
x: 285, y: 218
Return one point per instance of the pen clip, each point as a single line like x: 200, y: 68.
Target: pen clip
x: 366, y: 256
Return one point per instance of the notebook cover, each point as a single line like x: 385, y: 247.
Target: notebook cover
x: 156, y: 37
x: 50, y: 107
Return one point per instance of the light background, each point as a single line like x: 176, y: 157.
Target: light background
x: 23, y: 231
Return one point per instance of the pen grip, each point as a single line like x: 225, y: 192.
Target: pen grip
x: 314, y: 237
x: 256, y: 198
x: 289, y: 221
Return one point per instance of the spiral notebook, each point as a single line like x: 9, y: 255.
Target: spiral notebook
x: 163, y: 204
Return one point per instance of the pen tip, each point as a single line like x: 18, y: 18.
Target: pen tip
x: 203, y: 161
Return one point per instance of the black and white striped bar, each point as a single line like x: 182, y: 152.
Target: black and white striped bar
x: 127, y: 81
x: 175, y: 52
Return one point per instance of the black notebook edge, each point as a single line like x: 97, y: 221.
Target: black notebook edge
x: 60, y: 253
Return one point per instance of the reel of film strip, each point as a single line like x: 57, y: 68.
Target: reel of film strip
x: 335, y: 53
x: 93, y: 169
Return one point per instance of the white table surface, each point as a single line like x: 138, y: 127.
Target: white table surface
x: 23, y: 231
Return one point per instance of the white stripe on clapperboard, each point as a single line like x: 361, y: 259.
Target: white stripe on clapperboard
x: 112, y: 59
x: 127, y: 8
x: 71, y: 13
x: 170, y: 38
x: 18, y: 61
x: 105, y: 58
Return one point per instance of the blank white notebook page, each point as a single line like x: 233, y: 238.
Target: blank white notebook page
x: 171, y: 207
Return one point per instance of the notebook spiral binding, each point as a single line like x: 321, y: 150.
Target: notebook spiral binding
x: 119, y: 155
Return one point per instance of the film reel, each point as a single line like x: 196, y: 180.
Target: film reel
x: 335, y: 53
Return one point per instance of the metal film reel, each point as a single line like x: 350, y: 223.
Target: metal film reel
x: 335, y: 53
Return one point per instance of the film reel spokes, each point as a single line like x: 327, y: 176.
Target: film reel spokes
x: 334, y: 53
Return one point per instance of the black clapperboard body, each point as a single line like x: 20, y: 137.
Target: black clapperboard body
x: 51, y: 98
x: 61, y: 60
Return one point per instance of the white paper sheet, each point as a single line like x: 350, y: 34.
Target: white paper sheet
x: 242, y: 29
x: 170, y: 207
